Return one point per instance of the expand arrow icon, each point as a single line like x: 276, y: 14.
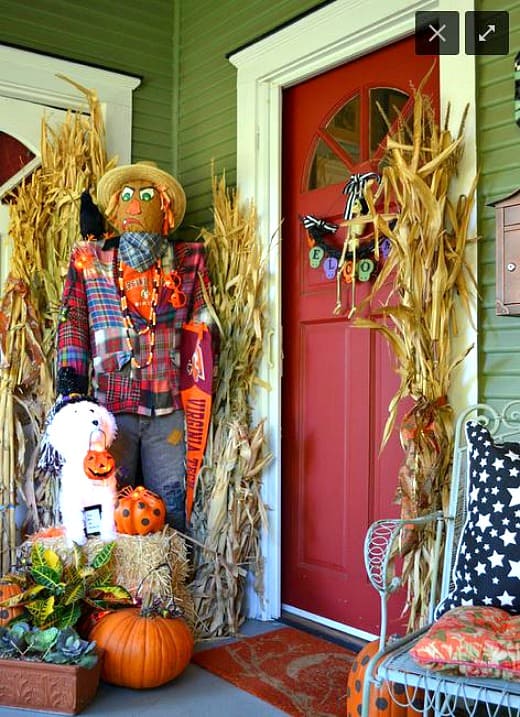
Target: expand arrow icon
x: 482, y: 36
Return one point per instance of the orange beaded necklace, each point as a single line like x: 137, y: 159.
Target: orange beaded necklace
x: 152, y: 318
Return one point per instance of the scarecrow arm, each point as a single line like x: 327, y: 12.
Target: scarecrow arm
x: 193, y: 257
x: 73, y: 344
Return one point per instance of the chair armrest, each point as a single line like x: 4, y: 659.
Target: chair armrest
x: 382, y: 547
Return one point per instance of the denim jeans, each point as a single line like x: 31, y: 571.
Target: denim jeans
x: 154, y: 447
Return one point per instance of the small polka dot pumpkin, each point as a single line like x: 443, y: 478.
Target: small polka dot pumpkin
x: 139, y: 511
x: 380, y: 700
x: 9, y: 590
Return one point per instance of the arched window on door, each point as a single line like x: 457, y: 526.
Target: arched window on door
x: 352, y: 138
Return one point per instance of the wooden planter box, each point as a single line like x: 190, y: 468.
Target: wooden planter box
x: 42, y: 686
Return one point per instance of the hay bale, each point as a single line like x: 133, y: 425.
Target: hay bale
x: 144, y: 562
x: 140, y: 563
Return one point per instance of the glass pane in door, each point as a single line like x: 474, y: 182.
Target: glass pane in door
x: 384, y: 106
x: 340, y: 139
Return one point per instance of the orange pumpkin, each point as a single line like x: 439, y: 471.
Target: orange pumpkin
x: 9, y: 590
x: 142, y: 652
x: 380, y: 698
x: 139, y: 511
x: 99, y: 465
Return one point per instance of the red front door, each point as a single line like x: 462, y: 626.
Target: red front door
x: 338, y: 380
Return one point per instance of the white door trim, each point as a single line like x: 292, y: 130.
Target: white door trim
x: 331, y: 36
x: 34, y: 77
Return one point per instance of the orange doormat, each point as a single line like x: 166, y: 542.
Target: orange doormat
x: 292, y: 670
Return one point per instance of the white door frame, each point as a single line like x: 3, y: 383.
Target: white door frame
x: 331, y: 36
x: 34, y: 77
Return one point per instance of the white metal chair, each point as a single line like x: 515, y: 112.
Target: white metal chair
x: 443, y: 694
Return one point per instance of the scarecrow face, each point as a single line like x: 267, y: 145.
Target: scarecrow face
x: 139, y: 208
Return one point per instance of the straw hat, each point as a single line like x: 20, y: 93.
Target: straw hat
x: 115, y: 179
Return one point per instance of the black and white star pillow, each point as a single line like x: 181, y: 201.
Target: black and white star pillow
x: 487, y: 567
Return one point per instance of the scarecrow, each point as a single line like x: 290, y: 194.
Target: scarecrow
x: 128, y: 301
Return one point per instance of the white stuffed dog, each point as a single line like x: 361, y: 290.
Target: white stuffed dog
x: 79, y: 426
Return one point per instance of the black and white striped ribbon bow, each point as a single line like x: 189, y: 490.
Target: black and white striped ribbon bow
x: 354, y: 190
x: 312, y: 223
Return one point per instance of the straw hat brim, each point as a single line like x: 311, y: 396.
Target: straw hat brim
x: 115, y: 179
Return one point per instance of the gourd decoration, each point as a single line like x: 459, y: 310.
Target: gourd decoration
x: 99, y: 465
x: 143, y: 647
x: 139, y: 511
x: 8, y: 590
x: 381, y: 702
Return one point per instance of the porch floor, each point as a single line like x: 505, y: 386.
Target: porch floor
x: 197, y: 692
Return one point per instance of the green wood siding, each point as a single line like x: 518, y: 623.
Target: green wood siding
x: 498, y: 148
x: 134, y: 38
x: 209, y: 31
x: 185, y: 108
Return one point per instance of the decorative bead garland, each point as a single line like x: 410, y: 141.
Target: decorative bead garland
x: 152, y: 319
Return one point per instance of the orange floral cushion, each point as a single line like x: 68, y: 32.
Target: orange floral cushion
x: 473, y: 641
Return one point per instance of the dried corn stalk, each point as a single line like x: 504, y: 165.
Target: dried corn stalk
x: 229, y: 513
x: 43, y: 225
x: 428, y: 273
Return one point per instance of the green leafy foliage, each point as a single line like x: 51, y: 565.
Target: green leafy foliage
x: 41, y: 640
x: 55, y: 594
x: 22, y: 641
x: 102, y: 558
x: 69, y: 648
x: 12, y: 639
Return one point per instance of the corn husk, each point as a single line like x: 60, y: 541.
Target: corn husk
x: 428, y: 275
x: 43, y: 225
x: 229, y: 512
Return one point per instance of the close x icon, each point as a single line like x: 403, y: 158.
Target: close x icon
x: 486, y: 33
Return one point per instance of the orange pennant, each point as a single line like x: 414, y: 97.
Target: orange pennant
x: 196, y: 382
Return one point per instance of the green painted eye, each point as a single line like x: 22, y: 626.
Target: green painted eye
x: 146, y: 194
x: 127, y: 194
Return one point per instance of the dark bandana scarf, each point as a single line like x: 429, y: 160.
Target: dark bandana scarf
x: 141, y: 249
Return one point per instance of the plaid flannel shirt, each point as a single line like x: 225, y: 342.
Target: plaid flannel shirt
x: 92, y: 336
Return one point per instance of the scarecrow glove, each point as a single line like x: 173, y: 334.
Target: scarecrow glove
x: 91, y: 220
x: 68, y: 381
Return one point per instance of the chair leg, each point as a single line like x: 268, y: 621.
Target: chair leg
x: 379, y: 698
